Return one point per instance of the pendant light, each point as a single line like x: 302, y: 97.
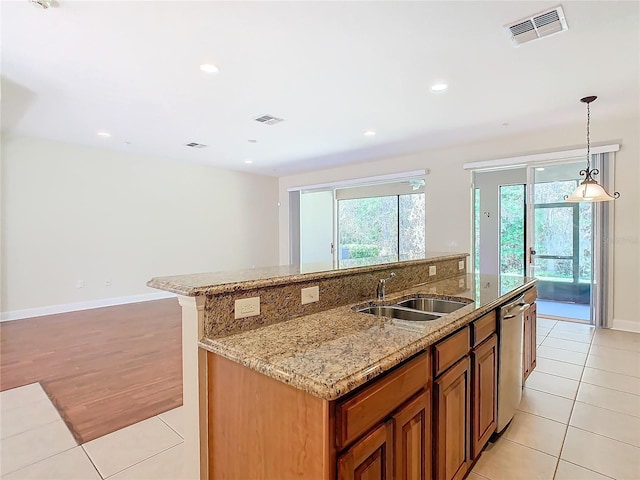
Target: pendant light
x: 589, y: 190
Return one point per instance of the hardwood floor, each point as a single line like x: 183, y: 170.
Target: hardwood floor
x: 105, y: 368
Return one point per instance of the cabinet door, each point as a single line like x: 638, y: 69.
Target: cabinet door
x: 533, y: 310
x: 526, y: 345
x: 529, y: 341
x: 371, y: 458
x: 453, y: 422
x: 412, y: 439
x: 485, y: 392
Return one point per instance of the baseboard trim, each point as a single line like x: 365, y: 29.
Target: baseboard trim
x: 626, y: 325
x: 74, y: 307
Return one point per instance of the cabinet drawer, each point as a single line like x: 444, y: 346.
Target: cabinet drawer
x: 362, y: 411
x: 483, y: 328
x: 449, y: 351
x: 531, y: 295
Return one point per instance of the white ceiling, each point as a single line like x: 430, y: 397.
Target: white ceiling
x: 331, y: 69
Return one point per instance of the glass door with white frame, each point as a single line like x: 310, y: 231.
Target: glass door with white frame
x: 523, y: 226
x: 561, y: 243
x: 500, y: 221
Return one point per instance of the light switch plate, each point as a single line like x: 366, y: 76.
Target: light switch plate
x: 247, y: 307
x: 461, y: 265
x: 310, y: 295
x: 432, y: 270
x: 461, y: 283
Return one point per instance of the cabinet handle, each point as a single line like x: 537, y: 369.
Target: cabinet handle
x: 517, y: 310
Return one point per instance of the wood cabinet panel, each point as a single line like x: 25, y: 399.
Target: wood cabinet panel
x: 369, y: 406
x: 450, y: 350
x: 483, y: 327
x: 412, y: 439
x: 371, y: 458
x: 529, y: 333
x: 261, y: 428
x: 529, y: 341
x: 526, y: 346
x: 453, y: 422
x: 485, y: 392
x: 531, y: 295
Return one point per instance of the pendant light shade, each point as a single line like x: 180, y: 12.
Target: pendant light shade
x: 589, y: 190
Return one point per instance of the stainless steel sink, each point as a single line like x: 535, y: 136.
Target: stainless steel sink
x: 432, y: 305
x: 399, y: 313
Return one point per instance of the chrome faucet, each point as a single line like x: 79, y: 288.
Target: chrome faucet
x: 381, y: 286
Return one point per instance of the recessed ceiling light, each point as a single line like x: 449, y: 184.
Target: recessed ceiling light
x: 369, y: 133
x: 209, y: 68
x: 248, y: 161
x: 439, y: 87
x: 102, y: 133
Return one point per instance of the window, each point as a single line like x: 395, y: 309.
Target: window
x: 380, y: 229
x: 364, y: 222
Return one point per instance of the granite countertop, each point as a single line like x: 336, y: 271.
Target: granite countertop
x: 210, y: 283
x: 330, y: 353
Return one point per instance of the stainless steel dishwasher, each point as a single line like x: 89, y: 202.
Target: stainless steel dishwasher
x: 510, y: 360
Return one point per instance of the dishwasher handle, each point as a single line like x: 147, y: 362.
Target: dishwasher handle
x: 516, y: 310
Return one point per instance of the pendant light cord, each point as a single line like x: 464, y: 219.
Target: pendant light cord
x: 588, y: 137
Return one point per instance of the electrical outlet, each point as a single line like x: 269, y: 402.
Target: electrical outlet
x: 247, y: 307
x: 80, y: 284
x: 107, y: 282
x: 432, y: 270
x: 310, y: 295
x: 461, y: 265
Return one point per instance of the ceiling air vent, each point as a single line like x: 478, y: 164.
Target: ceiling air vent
x: 268, y: 119
x: 540, y: 25
x: 195, y: 145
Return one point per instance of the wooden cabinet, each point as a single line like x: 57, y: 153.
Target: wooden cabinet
x: 466, y: 396
x: 448, y: 351
x: 452, y: 406
x: 428, y: 418
x: 453, y: 422
x: 485, y: 392
x: 529, y: 340
x: 361, y: 411
x: 412, y: 439
x: 371, y: 458
x: 398, y: 404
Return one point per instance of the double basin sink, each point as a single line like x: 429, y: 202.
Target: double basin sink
x: 416, y: 309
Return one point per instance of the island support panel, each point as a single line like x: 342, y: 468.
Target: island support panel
x: 194, y: 389
x: 261, y: 428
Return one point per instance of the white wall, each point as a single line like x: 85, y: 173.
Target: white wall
x: 448, y: 200
x: 73, y: 213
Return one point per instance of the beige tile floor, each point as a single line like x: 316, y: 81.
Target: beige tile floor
x: 36, y: 444
x: 579, y: 420
x: 580, y: 414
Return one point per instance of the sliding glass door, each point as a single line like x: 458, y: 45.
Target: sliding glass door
x: 360, y: 224
x: 561, y: 242
x: 523, y: 226
x: 380, y: 229
x: 500, y: 213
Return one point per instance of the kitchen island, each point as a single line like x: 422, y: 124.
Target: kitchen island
x: 279, y: 394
